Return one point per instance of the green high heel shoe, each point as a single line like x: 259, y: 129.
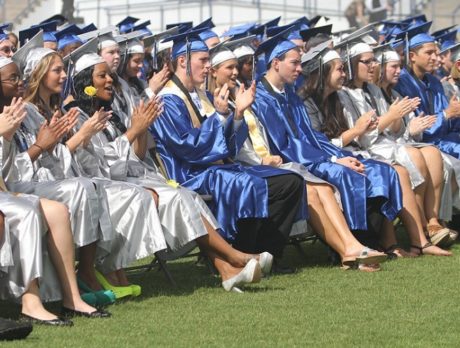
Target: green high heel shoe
x: 119, y: 291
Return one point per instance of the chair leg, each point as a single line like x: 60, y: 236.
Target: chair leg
x: 164, y: 267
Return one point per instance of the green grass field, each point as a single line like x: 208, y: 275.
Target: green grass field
x: 410, y: 303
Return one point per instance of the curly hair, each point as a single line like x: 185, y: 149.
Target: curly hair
x: 330, y: 106
x: 85, y: 102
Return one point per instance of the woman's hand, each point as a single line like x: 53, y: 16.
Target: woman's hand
x: 421, y: 123
x: 244, y: 99
x: 95, y: 124
x: 50, y: 133
x: 401, y: 107
x: 273, y: 161
x: 366, y: 123
x: 12, y: 117
x: 352, y: 163
x: 143, y: 116
x: 221, y: 100
x: 159, y: 79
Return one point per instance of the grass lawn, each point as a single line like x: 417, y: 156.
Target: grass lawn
x: 410, y: 303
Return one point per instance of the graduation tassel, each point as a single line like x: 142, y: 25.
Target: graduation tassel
x: 154, y: 56
x: 188, y: 56
x: 68, y: 84
x: 406, y: 49
x: 382, y: 67
x: 350, y: 72
x: 253, y: 67
x: 321, y: 82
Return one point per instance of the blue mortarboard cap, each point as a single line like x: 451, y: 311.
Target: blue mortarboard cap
x: 208, y: 33
x: 301, y: 23
x: 272, y: 23
x: 417, y: 35
x: 142, y: 27
x: 415, y: 21
x: 57, y: 17
x: 126, y: 25
x: 389, y: 26
x: 88, y: 28
x: 442, y: 31
x: 68, y: 36
x: 307, y: 34
x: 3, y: 34
x: 447, y: 40
x: 187, y: 42
x: 277, y: 45
x: 183, y: 26
x: 239, y: 31
x: 49, y: 31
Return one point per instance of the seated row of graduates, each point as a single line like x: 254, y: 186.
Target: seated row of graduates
x: 119, y: 174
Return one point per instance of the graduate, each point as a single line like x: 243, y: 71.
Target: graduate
x: 7, y: 48
x: 418, y: 81
x: 291, y: 137
x: 121, y: 152
x: 452, y: 84
x: 255, y: 206
x: 349, y: 124
x: 446, y: 39
x: 36, y: 249
x: 330, y: 225
x: 68, y: 40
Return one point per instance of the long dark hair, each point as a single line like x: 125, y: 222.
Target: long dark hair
x: 330, y: 106
x: 133, y: 81
x: 85, y: 102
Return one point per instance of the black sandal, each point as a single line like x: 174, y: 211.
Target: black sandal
x: 390, y: 251
x: 420, y: 249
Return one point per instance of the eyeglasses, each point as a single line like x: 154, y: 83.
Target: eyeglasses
x: 368, y: 62
x: 13, y: 79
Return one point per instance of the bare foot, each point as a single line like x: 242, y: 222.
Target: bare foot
x: 79, y: 305
x: 39, y: 313
x: 432, y: 250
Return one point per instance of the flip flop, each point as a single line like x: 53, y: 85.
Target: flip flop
x: 365, y: 257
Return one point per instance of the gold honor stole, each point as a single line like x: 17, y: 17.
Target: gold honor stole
x: 171, y: 88
x: 258, y: 142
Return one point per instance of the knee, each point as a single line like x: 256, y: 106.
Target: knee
x: 313, y: 196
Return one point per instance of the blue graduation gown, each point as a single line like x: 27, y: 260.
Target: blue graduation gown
x: 299, y: 142
x: 188, y: 154
x: 444, y: 133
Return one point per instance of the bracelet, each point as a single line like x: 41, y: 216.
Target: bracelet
x: 41, y: 148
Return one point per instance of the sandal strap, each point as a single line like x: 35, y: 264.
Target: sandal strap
x: 390, y: 249
x: 420, y: 248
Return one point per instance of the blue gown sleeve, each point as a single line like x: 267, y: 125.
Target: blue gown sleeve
x: 209, y: 143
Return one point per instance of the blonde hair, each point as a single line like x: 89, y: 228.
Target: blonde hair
x: 33, y: 85
x: 455, y: 72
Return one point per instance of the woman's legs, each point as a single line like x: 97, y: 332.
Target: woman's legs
x: 434, y: 164
x: 410, y: 216
x: 328, y: 221
x: 32, y: 304
x: 61, y: 250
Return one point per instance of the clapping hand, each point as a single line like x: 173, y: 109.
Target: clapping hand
x: 221, y: 99
x: 244, y: 99
x: 12, y: 117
